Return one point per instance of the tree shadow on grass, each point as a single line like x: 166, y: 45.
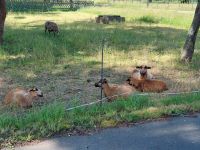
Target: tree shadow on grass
x: 86, y: 37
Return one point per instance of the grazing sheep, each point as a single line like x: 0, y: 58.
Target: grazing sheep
x: 146, y: 85
x: 51, y: 27
x: 105, y: 19
x: 98, y: 19
x: 116, y: 18
x: 113, y: 92
x: 136, y: 73
x: 21, y: 97
x: 123, y: 19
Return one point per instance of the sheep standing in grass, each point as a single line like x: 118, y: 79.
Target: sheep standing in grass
x: 113, y: 92
x: 51, y: 27
x: 21, y: 97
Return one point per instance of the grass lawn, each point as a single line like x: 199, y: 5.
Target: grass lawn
x: 61, y: 65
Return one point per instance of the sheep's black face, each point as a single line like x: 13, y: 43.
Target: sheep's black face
x: 143, y: 72
x: 97, y: 19
x: 36, y: 92
x: 143, y: 69
x: 99, y: 84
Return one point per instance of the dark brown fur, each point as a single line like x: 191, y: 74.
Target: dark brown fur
x: 105, y: 19
x: 51, y: 27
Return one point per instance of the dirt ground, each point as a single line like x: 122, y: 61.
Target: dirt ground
x: 74, y: 88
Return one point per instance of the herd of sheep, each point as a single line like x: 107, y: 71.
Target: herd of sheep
x: 141, y: 79
x: 105, y: 19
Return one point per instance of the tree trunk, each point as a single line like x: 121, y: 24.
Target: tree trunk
x: 147, y: 3
x: 71, y: 4
x: 2, y: 18
x: 189, y: 45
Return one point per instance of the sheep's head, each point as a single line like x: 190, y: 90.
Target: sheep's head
x: 35, y: 92
x: 143, y: 70
x: 97, y: 19
x: 100, y: 83
x: 133, y: 82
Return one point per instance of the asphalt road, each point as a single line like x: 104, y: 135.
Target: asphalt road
x: 182, y: 133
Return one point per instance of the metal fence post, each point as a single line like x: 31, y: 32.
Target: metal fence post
x: 102, y: 56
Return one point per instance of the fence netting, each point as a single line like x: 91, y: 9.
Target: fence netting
x: 46, y: 5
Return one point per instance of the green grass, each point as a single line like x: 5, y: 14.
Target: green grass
x: 36, y: 123
x: 61, y: 65
x: 47, y: 120
x: 181, y: 99
x: 148, y: 19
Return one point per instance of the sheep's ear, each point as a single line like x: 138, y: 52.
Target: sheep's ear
x: 105, y: 80
x: 129, y: 79
x: 31, y: 90
x: 139, y: 67
x: 36, y: 89
x: 147, y: 67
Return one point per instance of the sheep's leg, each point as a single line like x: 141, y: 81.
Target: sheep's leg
x: 23, y: 103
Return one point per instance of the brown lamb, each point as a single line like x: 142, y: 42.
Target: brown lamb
x: 21, y: 97
x: 113, y: 92
x: 146, y: 85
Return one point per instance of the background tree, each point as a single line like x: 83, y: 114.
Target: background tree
x: 2, y: 18
x: 71, y: 4
x: 188, y: 48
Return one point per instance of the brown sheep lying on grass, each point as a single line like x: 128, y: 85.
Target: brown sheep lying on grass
x: 51, y: 27
x: 113, y: 92
x: 21, y: 97
x: 146, y: 85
